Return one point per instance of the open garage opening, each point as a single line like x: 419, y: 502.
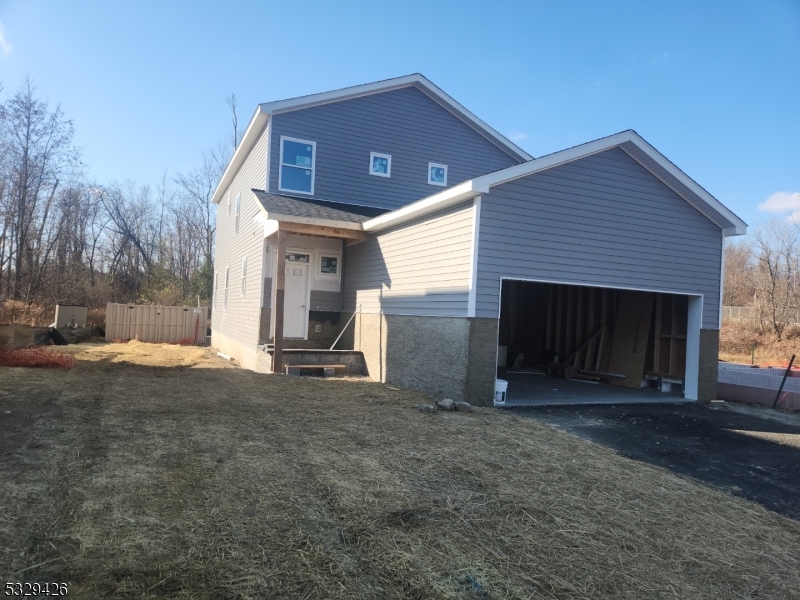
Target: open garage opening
x: 572, y: 344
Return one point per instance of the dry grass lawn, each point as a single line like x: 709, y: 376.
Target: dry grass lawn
x: 200, y: 480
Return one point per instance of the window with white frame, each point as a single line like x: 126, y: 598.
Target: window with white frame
x: 244, y: 276
x: 214, y: 292
x: 298, y: 163
x: 329, y: 266
x: 225, y: 297
x: 380, y: 164
x: 236, y: 214
x: 437, y: 174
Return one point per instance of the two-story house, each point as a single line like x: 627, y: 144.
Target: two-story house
x: 447, y: 251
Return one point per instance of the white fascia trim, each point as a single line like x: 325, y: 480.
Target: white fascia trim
x: 391, y: 84
x: 473, y: 267
x: 249, y: 139
x: 736, y: 227
x: 312, y: 221
x: 444, y: 199
x: 733, y: 225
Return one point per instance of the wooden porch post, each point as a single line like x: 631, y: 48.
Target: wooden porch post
x: 280, y: 287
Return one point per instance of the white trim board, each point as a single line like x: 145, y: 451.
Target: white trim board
x: 473, y: 266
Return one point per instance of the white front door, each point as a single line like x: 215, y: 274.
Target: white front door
x: 294, y: 306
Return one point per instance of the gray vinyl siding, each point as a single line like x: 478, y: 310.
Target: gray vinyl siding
x: 419, y: 268
x: 405, y: 123
x: 603, y: 220
x: 240, y: 321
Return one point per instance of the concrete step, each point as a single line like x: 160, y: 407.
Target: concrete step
x: 353, y: 360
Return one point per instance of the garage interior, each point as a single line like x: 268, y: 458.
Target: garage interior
x: 570, y: 344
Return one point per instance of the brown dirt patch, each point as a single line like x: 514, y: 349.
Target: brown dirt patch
x: 129, y: 480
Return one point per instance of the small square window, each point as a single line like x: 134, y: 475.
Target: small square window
x: 329, y: 265
x: 380, y: 164
x: 437, y: 174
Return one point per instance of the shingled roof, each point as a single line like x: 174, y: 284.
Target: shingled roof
x: 291, y: 206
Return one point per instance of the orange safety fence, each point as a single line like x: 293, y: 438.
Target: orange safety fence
x: 37, y: 356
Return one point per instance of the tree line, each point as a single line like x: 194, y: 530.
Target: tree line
x: 762, y: 271
x: 65, y: 238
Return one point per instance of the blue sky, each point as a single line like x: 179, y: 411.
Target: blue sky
x: 715, y: 86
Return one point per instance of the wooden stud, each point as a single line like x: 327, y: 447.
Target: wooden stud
x: 590, y: 326
x: 280, y: 288
x: 568, y: 343
x: 323, y: 231
x: 559, y: 319
x: 671, y: 340
x: 657, y: 335
x: 579, y: 314
x: 550, y: 302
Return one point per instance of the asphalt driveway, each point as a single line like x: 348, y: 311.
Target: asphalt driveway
x: 752, y: 453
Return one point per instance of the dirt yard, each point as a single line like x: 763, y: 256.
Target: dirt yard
x: 128, y: 479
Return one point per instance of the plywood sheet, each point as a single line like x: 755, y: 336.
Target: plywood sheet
x: 631, y: 333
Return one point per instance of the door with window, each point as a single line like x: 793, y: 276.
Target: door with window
x: 295, y: 311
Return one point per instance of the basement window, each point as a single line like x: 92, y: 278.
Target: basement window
x: 437, y: 174
x: 297, y: 165
x: 380, y: 164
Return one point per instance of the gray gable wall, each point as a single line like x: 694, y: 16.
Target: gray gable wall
x: 602, y: 220
x: 405, y: 123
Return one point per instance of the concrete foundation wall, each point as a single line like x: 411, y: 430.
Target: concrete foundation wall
x: 247, y: 357
x: 709, y: 365
x: 451, y: 357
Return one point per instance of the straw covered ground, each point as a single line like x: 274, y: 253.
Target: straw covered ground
x: 200, y: 480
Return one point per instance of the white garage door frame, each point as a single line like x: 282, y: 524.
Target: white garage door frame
x: 693, y: 325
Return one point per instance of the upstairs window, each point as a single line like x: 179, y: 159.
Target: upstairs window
x: 298, y: 162
x: 437, y: 174
x: 380, y: 164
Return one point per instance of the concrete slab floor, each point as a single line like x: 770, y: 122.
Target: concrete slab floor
x: 529, y: 389
x: 754, y: 454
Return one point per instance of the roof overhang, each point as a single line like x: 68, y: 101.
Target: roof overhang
x: 273, y: 222
x: 266, y: 110
x: 629, y: 141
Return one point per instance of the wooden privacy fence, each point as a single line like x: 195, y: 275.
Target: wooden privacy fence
x: 745, y: 313
x: 169, y: 324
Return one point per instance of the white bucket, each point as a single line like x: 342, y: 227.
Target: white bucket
x: 500, y: 387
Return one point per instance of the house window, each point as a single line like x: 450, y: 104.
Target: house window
x: 214, y: 291
x: 380, y: 164
x: 225, y: 298
x: 437, y: 174
x: 298, y: 162
x: 328, y: 266
x: 244, y: 276
x: 236, y: 214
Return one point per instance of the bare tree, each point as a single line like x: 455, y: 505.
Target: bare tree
x: 775, y: 248
x: 36, y: 149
